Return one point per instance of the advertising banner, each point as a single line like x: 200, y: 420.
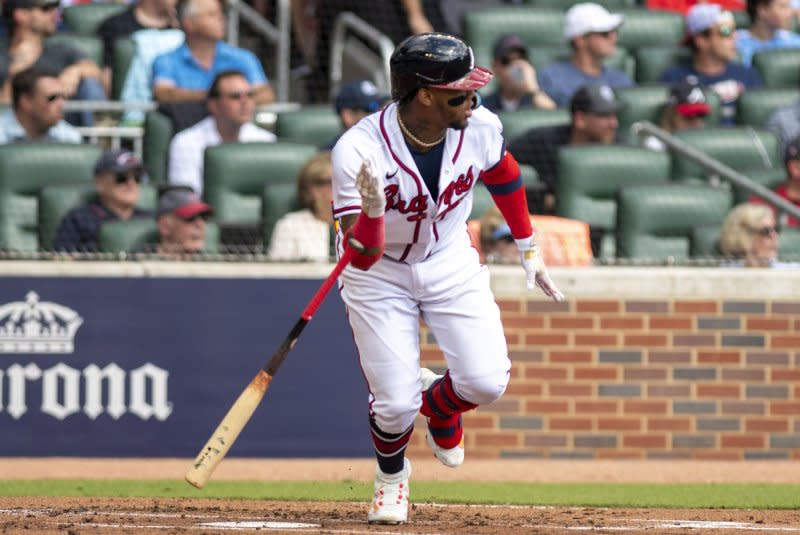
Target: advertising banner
x: 147, y: 367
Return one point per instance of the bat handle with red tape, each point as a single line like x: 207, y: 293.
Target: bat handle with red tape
x: 323, y: 290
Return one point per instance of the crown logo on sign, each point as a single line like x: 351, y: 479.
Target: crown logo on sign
x: 35, y: 326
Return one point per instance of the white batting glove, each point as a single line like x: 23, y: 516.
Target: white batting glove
x: 370, y: 186
x: 535, y: 270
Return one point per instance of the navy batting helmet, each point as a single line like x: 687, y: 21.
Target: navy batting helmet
x: 434, y: 60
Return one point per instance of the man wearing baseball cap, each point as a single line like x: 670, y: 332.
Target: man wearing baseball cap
x: 594, y: 111
x: 790, y: 188
x: 353, y: 102
x: 710, y: 34
x: 591, y: 32
x: 117, y: 175
x: 182, y: 220
x: 518, y: 86
x: 686, y: 107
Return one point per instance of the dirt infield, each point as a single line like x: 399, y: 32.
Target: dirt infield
x: 146, y: 516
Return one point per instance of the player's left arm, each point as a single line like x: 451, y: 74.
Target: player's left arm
x: 504, y: 182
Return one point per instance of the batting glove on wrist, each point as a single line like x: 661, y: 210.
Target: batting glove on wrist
x: 535, y: 271
x: 370, y: 186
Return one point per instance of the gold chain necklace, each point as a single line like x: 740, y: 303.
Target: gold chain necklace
x: 414, y: 138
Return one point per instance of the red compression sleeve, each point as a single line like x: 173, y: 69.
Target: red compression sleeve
x: 369, y: 232
x: 504, y: 183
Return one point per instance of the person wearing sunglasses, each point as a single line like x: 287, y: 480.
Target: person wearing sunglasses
x: 354, y: 101
x: 231, y: 107
x: 30, y: 23
x: 750, y: 237
x: 770, y: 27
x: 181, y: 217
x: 117, y: 175
x: 686, y: 107
x: 37, y: 110
x: 516, y: 78
x: 591, y: 32
x: 710, y: 35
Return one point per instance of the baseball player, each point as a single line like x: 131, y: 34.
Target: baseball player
x: 402, y: 187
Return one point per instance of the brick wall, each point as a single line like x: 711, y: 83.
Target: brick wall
x: 686, y: 377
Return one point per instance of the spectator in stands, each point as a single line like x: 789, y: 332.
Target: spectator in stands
x: 354, y: 101
x: 592, y: 34
x: 770, y: 23
x: 30, y: 23
x: 181, y: 220
x: 186, y: 73
x: 37, y: 110
x: 141, y: 15
x: 497, y: 243
x: 784, y: 122
x: 593, y: 111
x: 117, y: 175
x: 687, y: 107
x: 790, y: 189
x: 307, y: 233
x: 682, y: 6
x: 710, y: 34
x: 750, y: 238
x: 231, y: 108
x: 516, y: 78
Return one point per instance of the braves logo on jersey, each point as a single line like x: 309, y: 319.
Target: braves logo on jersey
x: 455, y: 192
x: 416, y: 206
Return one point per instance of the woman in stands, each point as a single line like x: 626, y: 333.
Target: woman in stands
x: 750, y: 237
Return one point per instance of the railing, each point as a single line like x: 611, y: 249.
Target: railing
x: 643, y: 128
x: 278, y: 35
x: 348, y: 23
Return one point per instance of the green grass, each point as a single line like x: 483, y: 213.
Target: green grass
x: 728, y: 496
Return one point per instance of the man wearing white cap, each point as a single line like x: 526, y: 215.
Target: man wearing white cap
x: 592, y: 34
x: 710, y: 34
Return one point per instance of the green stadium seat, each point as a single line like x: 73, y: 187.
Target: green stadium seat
x: 234, y: 175
x: 589, y: 177
x: 756, y: 105
x: 56, y: 201
x: 482, y: 200
x: 778, y: 67
x: 520, y: 121
x: 84, y: 19
x: 655, y: 221
x: 647, y: 27
x: 741, y: 148
x: 141, y: 235
x: 24, y: 170
x: 316, y: 125
x: 277, y: 200
x: 789, y: 244
x: 651, y: 61
x: 124, y: 51
x: 610, y: 5
x: 741, y: 18
x: 88, y: 44
x: 155, y: 145
x: 704, y: 241
x: 769, y: 178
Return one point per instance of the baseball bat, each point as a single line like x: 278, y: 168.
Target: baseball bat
x: 245, y: 405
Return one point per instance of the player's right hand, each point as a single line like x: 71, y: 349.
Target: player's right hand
x: 535, y: 271
x: 370, y: 186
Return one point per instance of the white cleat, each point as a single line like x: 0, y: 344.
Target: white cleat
x: 390, y: 502
x: 452, y: 457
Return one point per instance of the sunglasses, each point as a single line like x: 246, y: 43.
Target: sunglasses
x: 507, y: 60
x: 459, y: 100
x: 321, y: 182
x: 55, y: 96
x: 192, y: 219
x: 722, y: 31
x: 122, y: 178
x: 238, y: 95
x: 764, y: 232
x: 605, y: 34
x: 48, y: 7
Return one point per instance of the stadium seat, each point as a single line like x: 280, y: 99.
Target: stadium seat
x: 704, y: 241
x: 124, y: 50
x: 647, y: 27
x: 646, y: 103
x: 24, y: 169
x: 769, y: 178
x: 88, y: 44
x: 778, y: 67
x: 141, y: 235
x: 789, y: 244
x: 155, y: 145
x: 84, y: 19
x: 482, y: 200
x: 234, y: 175
x: 543, y: 55
x: 589, y: 177
x: 316, y: 124
x: 651, y: 61
x: 756, y: 105
x: 611, y: 5
x: 741, y: 148
x: 518, y: 122
x: 655, y: 221
x: 56, y: 201
x: 277, y: 200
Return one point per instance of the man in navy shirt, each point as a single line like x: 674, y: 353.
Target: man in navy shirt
x: 710, y: 34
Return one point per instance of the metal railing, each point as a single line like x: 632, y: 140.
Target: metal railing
x: 277, y: 34
x: 345, y: 27
x: 643, y: 128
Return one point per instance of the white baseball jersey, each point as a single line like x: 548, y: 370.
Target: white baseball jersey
x: 429, y: 268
